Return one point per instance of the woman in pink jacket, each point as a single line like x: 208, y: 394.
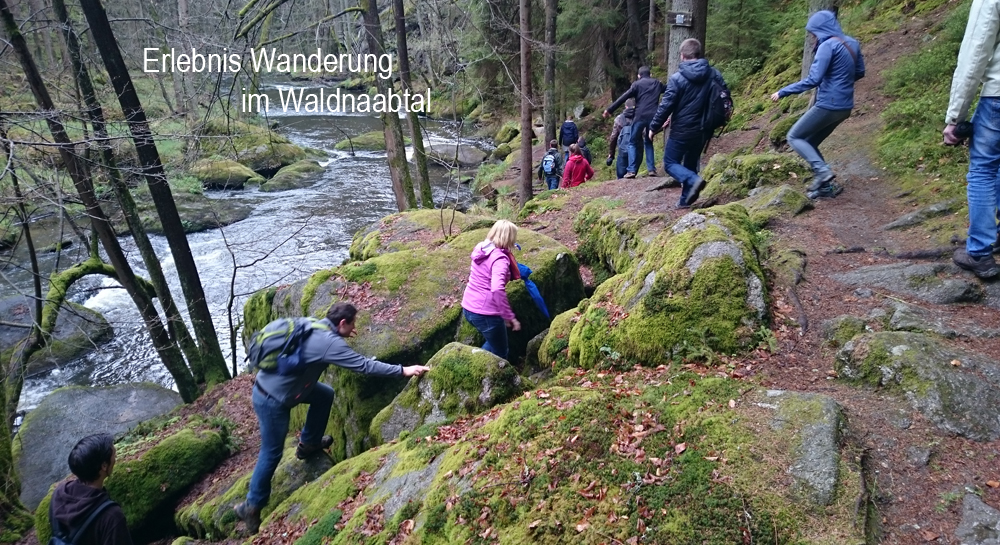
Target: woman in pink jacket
x: 485, y: 302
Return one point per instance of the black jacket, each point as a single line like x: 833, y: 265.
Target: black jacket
x: 72, y: 502
x: 568, y: 133
x: 685, y: 99
x: 646, y: 91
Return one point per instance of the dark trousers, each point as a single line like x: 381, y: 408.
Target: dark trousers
x: 681, y: 158
x: 493, y: 329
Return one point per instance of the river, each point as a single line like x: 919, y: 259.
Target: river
x: 288, y: 236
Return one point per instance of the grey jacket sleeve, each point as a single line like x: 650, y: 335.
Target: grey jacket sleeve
x: 339, y: 354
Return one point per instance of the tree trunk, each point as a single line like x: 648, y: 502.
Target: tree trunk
x: 416, y: 137
x: 183, y: 23
x: 169, y: 353
x: 549, y: 100
x: 651, y: 27
x: 13, y: 516
x: 526, y: 133
x: 176, y: 327
x: 152, y: 170
x: 699, y: 13
x: 635, y: 30
x: 399, y: 170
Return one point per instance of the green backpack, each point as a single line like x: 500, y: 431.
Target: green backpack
x: 278, y: 347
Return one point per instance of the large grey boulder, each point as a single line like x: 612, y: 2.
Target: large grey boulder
x: 920, y: 280
x: 69, y: 414
x: 79, y: 330
x: 957, y: 390
x: 452, y: 154
x: 980, y: 523
x: 462, y: 380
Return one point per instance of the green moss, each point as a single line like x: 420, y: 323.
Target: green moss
x: 507, y: 132
x: 324, y: 529
x: 369, y: 141
x: 554, y: 350
x: 222, y: 173
x: 293, y: 176
x: 309, y: 290
x: 611, y: 239
x: 258, y: 311
x: 779, y: 132
x: 546, y: 201
x: 770, y: 203
x: 734, y: 177
x: 258, y: 148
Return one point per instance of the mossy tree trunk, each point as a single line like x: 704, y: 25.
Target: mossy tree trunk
x: 152, y: 169
x: 526, y: 192
x: 168, y: 351
x: 176, y: 327
x: 399, y: 170
x: 15, y: 520
x: 416, y: 137
x: 549, y: 101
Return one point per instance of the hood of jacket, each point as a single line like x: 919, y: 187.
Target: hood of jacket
x: 483, y: 251
x: 576, y: 159
x: 824, y: 25
x: 74, y: 501
x: 696, y: 71
x: 629, y: 113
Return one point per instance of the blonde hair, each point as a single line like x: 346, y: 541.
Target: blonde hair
x: 503, y: 234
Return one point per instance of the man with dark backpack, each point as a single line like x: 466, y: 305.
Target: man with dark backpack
x: 685, y: 102
x: 81, y: 512
x: 550, y: 169
x: 621, y: 140
x: 279, y: 389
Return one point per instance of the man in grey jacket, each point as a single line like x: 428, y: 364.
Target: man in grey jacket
x: 274, y: 396
x: 978, y: 64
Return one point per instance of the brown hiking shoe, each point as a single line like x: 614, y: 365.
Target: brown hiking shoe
x: 630, y: 174
x: 304, y: 451
x: 249, y: 515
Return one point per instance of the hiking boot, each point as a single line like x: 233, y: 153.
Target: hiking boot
x: 304, y: 451
x: 652, y: 174
x: 249, y: 515
x: 821, y: 179
x: 690, y: 193
x: 982, y: 266
x: 630, y: 175
x: 827, y: 191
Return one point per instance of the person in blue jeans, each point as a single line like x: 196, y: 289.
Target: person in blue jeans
x: 551, y: 166
x: 684, y: 102
x: 274, y: 395
x: 977, y: 64
x: 837, y: 65
x: 646, y: 92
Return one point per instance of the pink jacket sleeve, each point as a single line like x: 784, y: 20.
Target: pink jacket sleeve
x: 499, y: 274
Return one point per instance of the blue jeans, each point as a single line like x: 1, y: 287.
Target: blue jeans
x: 625, y: 154
x: 641, y: 141
x: 811, y: 130
x: 552, y: 182
x: 273, y: 418
x: 681, y: 158
x: 984, y: 177
x: 493, y: 329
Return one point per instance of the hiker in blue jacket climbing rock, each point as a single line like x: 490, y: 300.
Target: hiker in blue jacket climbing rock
x: 274, y: 395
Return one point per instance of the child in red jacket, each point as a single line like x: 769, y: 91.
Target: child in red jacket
x: 577, y: 169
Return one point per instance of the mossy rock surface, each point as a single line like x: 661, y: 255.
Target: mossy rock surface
x: 840, y: 330
x: 294, y: 176
x: 409, y: 305
x: 779, y: 132
x: 732, y: 178
x: 501, y: 152
x: 420, y: 228
x: 198, y: 212
x: 211, y: 516
x: 507, y: 132
x: 462, y: 381
x: 767, y: 203
x: 565, y: 464
x: 957, y: 390
x: 262, y: 150
x: 611, y: 238
x: 698, y: 289
x: 554, y: 350
x: 223, y: 174
x: 50, y: 431
x: 79, y: 330
x: 369, y: 141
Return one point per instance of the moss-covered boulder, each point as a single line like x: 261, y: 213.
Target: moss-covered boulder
x: 732, y: 177
x: 670, y: 461
x: 147, y: 487
x: 554, y: 350
x: 369, y: 141
x: 79, y: 330
x: 957, y: 390
x: 421, y: 228
x: 410, y: 305
x: 840, y: 330
x: 453, y: 154
x: 211, y: 515
x: 462, y: 381
x: 221, y: 173
x: 258, y: 148
x: 611, y: 237
x: 502, y: 151
x: 50, y: 431
x: 767, y: 203
x: 698, y: 288
x: 298, y: 174
x: 778, y: 135
x: 507, y: 132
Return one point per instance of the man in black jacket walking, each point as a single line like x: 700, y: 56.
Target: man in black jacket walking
x: 686, y: 99
x: 646, y: 91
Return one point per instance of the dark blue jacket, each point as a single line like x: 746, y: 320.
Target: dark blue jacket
x: 685, y: 99
x: 646, y: 91
x: 834, y: 69
x: 568, y: 134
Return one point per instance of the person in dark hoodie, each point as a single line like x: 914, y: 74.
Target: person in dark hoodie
x: 274, y: 395
x: 684, y: 103
x: 568, y: 135
x: 837, y: 65
x: 646, y: 91
x: 621, y: 139
x: 584, y: 150
x: 92, y: 460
